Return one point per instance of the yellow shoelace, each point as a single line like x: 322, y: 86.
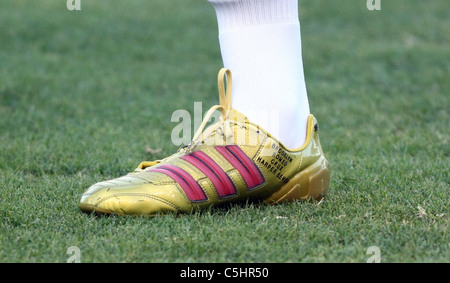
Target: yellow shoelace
x: 223, y: 126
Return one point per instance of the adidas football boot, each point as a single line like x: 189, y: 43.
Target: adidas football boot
x: 233, y: 160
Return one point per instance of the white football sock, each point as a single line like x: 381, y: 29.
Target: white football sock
x: 261, y: 45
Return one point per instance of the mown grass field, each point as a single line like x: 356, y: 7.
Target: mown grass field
x: 83, y: 94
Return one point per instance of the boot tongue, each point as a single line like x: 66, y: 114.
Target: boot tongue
x: 244, y: 133
x: 227, y: 134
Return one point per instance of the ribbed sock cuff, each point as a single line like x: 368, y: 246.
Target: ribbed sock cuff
x: 241, y: 13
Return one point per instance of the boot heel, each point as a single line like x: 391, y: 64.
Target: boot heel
x: 311, y: 183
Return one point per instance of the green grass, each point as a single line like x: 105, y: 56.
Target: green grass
x: 83, y: 93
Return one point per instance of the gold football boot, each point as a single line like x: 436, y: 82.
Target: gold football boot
x: 232, y: 160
